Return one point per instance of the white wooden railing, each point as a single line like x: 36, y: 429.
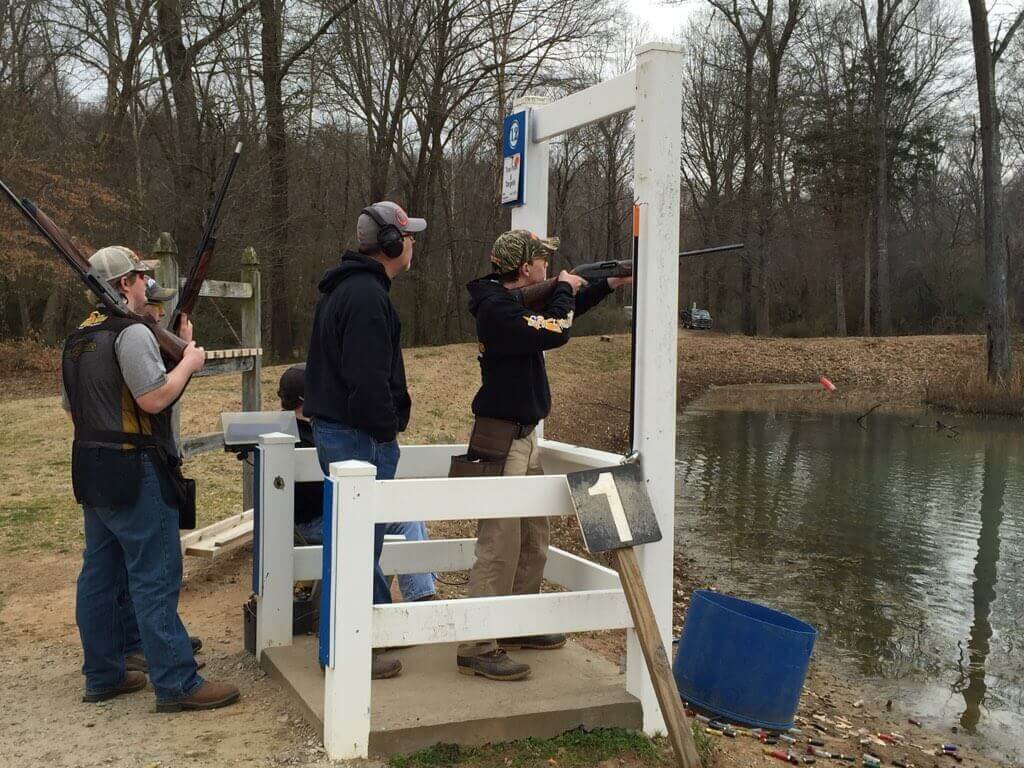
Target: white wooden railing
x: 421, y: 491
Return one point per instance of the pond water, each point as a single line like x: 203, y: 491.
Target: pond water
x: 900, y: 541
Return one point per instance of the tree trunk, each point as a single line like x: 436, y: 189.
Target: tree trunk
x: 23, y: 312
x: 747, y: 319
x: 188, y: 211
x: 997, y: 321
x: 277, y: 157
x: 55, y: 312
x: 839, y: 278
x: 869, y: 243
x: 881, y: 108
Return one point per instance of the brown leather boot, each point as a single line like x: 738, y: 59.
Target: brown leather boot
x: 209, y: 695
x: 384, y: 667
x: 133, y: 681
x: 494, y: 665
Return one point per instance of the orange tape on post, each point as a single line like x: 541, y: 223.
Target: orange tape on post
x: 636, y: 220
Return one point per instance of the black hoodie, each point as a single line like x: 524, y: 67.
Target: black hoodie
x: 355, y: 374
x: 514, y: 381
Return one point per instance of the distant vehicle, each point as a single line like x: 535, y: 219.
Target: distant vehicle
x: 697, y: 319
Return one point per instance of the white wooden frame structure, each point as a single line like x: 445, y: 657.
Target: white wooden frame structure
x: 421, y: 490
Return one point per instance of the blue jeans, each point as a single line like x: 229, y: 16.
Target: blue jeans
x: 413, y: 586
x: 339, y: 442
x: 139, y: 545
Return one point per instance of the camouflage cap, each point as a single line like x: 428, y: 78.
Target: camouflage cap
x: 516, y: 247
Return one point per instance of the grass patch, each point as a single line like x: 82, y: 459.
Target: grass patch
x: 973, y: 393
x: 575, y: 749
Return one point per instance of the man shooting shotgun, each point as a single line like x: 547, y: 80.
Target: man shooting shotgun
x: 537, y: 295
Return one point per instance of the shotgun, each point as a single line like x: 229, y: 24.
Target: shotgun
x: 537, y: 296
x: 171, y: 347
x: 200, y: 263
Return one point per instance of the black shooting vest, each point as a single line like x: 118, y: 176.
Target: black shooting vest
x: 111, y: 431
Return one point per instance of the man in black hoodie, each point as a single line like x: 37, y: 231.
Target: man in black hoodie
x: 511, y: 553
x: 356, y: 395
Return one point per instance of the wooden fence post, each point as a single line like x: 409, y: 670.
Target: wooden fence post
x: 252, y: 393
x: 166, y: 252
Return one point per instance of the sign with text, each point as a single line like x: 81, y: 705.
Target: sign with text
x: 513, y: 150
x: 613, y: 508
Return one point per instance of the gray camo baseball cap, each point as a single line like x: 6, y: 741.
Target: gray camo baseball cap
x: 390, y: 213
x: 116, y: 261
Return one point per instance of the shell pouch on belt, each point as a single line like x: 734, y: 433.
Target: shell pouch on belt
x: 489, y: 444
x: 109, y: 477
x: 105, y: 477
x: 184, y: 491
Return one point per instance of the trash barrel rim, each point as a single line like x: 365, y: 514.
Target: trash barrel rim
x: 728, y: 603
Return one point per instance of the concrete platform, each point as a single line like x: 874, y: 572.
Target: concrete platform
x: 432, y: 703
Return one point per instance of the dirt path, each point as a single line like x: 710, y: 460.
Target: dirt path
x: 44, y: 723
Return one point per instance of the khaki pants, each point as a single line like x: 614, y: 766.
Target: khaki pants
x: 510, y: 552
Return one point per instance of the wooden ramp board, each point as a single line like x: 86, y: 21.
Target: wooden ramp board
x: 431, y: 703
x: 219, y: 537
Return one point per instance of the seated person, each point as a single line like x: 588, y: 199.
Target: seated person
x: 309, y: 496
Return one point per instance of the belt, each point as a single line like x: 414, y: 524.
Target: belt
x: 524, y: 430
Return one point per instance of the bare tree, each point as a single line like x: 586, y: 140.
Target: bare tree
x: 275, y: 67
x: 987, y: 52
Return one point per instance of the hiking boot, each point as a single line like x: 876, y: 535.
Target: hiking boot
x: 136, y: 662
x: 133, y: 681
x: 534, y: 642
x: 197, y: 644
x: 209, y: 695
x: 384, y: 667
x: 494, y: 665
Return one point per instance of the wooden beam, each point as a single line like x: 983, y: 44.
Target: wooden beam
x: 487, y: 497
x: 484, y: 618
x: 658, y: 666
x: 198, y: 542
x: 198, y: 444
x: 221, y: 366
x: 223, y: 289
x: 230, y: 354
x: 583, y: 107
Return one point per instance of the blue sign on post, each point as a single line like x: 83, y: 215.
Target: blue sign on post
x: 513, y: 177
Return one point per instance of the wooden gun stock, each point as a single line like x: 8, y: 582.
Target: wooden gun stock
x: 537, y: 296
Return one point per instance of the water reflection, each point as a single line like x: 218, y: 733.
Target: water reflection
x: 993, y: 491
x: 888, y: 539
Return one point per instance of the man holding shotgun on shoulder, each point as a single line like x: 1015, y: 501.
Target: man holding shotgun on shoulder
x: 519, y: 314
x: 124, y: 474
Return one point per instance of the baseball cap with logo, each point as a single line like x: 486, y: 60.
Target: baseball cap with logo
x: 156, y: 293
x: 516, y: 247
x: 390, y: 213
x: 116, y: 261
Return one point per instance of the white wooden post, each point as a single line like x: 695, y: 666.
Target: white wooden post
x: 656, y: 186
x: 533, y: 213
x: 347, y: 679
x: 276, y: 520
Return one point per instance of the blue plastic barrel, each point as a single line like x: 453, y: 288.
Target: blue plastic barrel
x: 742, y: 661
